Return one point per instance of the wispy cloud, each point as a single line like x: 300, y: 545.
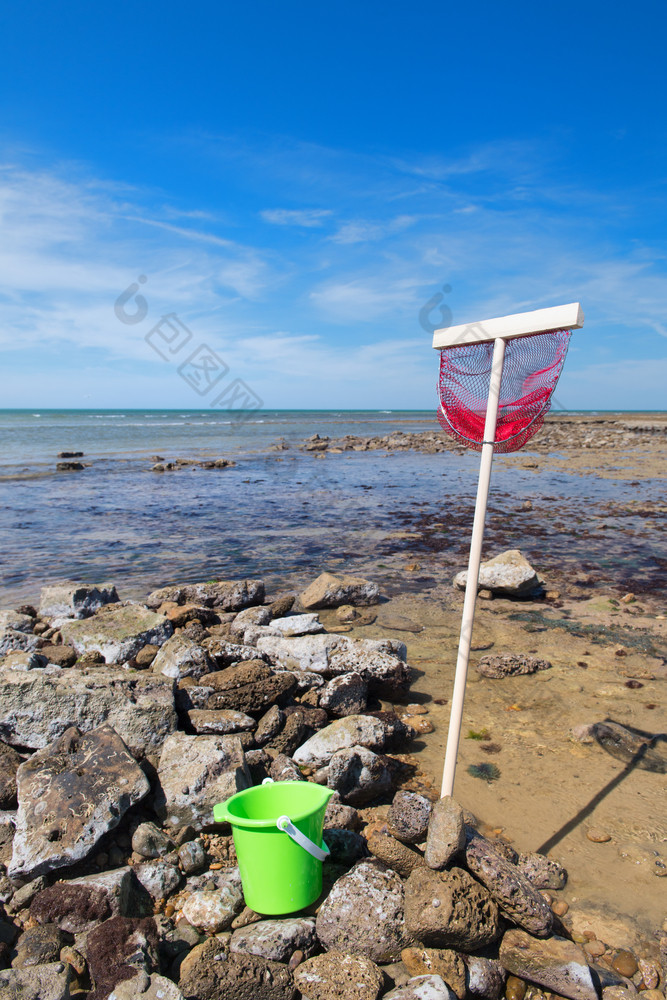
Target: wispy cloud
x: 308, y: 218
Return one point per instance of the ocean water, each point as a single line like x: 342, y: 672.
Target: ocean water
x: 284, y: 515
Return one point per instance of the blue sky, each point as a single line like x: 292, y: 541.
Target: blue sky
x: 295, y: 181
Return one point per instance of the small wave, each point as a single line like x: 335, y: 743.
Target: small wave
x: 37, y: 414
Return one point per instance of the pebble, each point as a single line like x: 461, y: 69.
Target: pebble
x: 597, y: 835
x: 650, y: 974
x: 560, y: 907
x: 192, y: 857
x: 595, y: 948
x: 515, y: 988
x: 625, y: 963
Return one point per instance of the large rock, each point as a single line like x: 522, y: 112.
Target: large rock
x: 117, y: 950
x: 557, y: 964
x: 228, y: 595
x: 358, y: 775
x: 276, y: 940
x: 351, y: 731
x: 430, y: 987
x: 117, y: 631
x: 211, y: 972
x: 181, y: 657
x: 249, y: 687
x: 10, y: 762
x: 380, y: 662
x: 75, y: 600
x: 16, y: 632
x: 212, y: 910
x: 297, y: 625
x: 337, y: 975
x: 204, y: 721
x: 16, y: 621
x: 508, y: 574
x: 37, y: 706
x: 147, y: 987
x: 516, y: 897
x: 443, y: 962
x: 330, y: 590
x: 446, y: 833
x: 364, y: 913
x: 227, y: 654
x: 82, y: 903
x: 344, y: 695
x: 450, y: 910
x: 509, y: 665
x: 194, y: 773
x: 70, y: 794
x: 408, y: 818
x: 37, y: 982
x: 396, y: 855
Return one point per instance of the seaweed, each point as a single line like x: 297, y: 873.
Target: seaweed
x: 485, y: 771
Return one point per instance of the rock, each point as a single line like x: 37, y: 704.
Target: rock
x: 438, y: 962
x: 73, y: 908
x: 269, y: 725
x: 358, y: 775
x: 295, y: 731
x: 117, y: 631
x: 10, y: 762
x: 69, y: 466
x: 228, y: 654
x: 422, y: 988
x: 192, y: 857
x: 119, y: 948
x: 344, y: 695
x: 212, y: 911
x: 38, y: 946
x: 147, y: 987
x: 124, y: 893
x: 446, y: 833
x: 181, y: 657
x: 182, y: 615
x: 509, y: 665
x: 41, y: 982
x: 450, y: 909
x: 145, y: 656
x: 74, y: 600
x: 219, y: 723
x: 298, y: 625
x: 70, y: 794
x: 625, y: 963
x: 37, y: 707
x: 276, y: 940
x: 284, y: 769
x: 228, y: 595
x: 509, y: 887
x: 556, y: 964
x: 196, y: 772
x: 15, y: 639
x: 409, y: 816
x: 486, y: 977
x: 62, y: 656
x: 338, y: 975
x: 330, y: 590
x: 392, y: 852
x: 249, y: 687
x: 508, y: 573
x: 345, y: 846
x: 351, y: 731
x: 150, y: 841
x: 636, y: 748
x: 339, y: 815
x: 542, y: 872
x: 216, y: 974
x: 23, y: 659
x: 364, y: 913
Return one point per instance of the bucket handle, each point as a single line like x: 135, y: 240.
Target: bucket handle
x: 285, y: 824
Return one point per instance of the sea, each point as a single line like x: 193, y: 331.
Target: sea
x: 279, y: 514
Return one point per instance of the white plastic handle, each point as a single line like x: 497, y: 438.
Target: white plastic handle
x: 285, y: 824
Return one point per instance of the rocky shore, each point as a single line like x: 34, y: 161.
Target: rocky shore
x: 122, y: 723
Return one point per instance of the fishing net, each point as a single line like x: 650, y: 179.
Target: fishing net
x: 531, y: 370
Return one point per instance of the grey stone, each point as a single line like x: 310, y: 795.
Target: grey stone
x: 74, y: 600
x: 283, y: 768
x: 508, y: 573
x: 117, y: 632
x: 80, y: 904
x: 192, y: 857
x: 351, y: 731
x: 276, y: 940
x: 338, y: 975
x: 510, y: 665
x: 450, y: 910
x: 330, y: 590
x: 225, y: 720
x: 228, y: 654
x: 216, y: 974
x: 10, y: 762
x: 41, y: 982
x: 345, y: 846
x: 13, y: 639
x: 422, y: 988
x: 16, y: 621
x: 37, y: 707
x: 269, y: 725
x: 196, y: 772
x: 542, y: 872
x: 556, y: 964
x: 150, y: 841
x: 358, y: 775
x: 181, y: 657
x: 344, y: 695
x: 212, y: 911
x: 446, y: 833
x: 408, y: 818
x: 485, y: 977
x: 147, y: 987
x: 250, y: 616
x: 70, y: 794
x: 516, y: 897
x: 364, y: 913
x: 23, y: 897
x: 38, y: 946
x: 392, y: 852
x: 297, y: 625
x: 24, y: 659
x: 228, y: 595
x: 159, y: 878
x: 249, y: 687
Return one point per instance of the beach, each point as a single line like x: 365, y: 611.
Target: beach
x: 389, y: 498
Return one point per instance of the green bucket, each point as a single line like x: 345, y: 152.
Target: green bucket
x: 277, y: 828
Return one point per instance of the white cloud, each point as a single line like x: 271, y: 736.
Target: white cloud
x: 309, y: 218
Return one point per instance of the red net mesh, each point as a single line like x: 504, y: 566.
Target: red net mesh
x: 531, y: 370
